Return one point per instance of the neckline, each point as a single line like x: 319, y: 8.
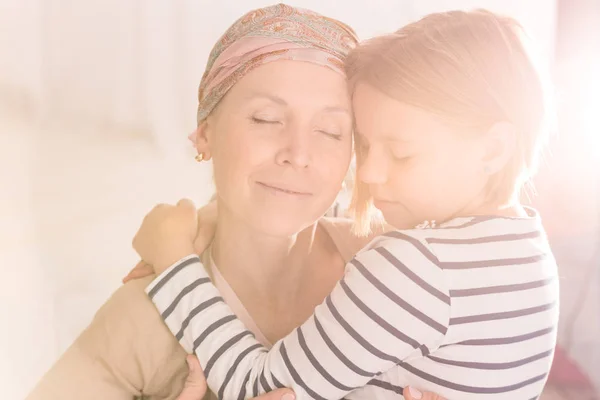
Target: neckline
x: 234, y: 302
x: 532, y: 215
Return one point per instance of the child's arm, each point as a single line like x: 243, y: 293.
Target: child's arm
x: 391, y: 305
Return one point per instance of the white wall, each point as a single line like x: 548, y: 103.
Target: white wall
x: 98, y: 97
x: 137, y: 63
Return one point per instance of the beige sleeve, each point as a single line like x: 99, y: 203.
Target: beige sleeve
x: 126, y: 351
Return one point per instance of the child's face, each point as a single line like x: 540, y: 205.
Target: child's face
x: 416, y: 168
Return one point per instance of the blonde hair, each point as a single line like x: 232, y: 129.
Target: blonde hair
x: 473, y: 70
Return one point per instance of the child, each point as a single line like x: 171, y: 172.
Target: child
x: 449, y: 115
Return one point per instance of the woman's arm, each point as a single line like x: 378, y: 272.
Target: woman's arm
x: 125, y: 351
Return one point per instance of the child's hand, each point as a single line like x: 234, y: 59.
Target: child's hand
x: 207, y: 225
x: 167, y: 234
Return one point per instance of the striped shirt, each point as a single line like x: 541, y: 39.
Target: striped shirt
x: 467, y: 310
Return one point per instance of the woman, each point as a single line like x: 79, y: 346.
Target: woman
x: 127, y: 350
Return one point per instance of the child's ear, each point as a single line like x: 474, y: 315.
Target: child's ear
x: 499, y: 147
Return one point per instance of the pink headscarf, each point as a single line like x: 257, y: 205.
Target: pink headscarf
x: 278, y: 32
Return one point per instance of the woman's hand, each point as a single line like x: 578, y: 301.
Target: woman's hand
x: 167, y: 234
x: 195, y: 385
x: 140, y: 270
x: 411, y: 393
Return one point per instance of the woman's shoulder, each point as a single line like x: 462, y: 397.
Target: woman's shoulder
x: 132, y: 334
x: 130, y: 298
x: 129, y: 318
x: 340, y: 230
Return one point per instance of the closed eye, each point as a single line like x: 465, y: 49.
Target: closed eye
x: 264, y: 121
x: 401, y: 160
x: 335, y: 136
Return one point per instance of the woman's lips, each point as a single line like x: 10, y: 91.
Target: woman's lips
x: 284, y: 189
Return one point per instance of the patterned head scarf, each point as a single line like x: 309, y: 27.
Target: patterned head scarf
x: 278, y: 32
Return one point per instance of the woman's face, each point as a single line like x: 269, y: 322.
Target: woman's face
x: 281, y: 143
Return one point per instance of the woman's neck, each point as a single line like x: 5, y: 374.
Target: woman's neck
x: 279, y: 280
x: 260, y: 261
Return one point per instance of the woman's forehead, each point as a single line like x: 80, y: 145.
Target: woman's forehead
x: 293, y: 83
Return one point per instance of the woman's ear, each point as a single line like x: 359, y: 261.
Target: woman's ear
x: 200, y: 139
x: 499, y: 146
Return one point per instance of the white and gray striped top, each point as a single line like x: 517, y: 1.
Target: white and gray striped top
x: 467, y: 310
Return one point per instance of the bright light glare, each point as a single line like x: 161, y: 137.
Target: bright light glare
x: 591, y: 114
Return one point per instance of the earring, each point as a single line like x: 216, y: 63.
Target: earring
x: 199, y: 157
